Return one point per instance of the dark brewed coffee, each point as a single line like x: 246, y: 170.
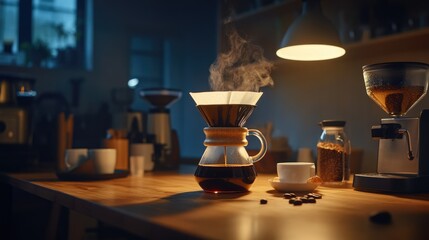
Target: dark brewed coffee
x: 218, y: 178
x: 226, y: 115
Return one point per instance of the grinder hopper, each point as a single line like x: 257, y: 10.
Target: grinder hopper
x: 396, y: 87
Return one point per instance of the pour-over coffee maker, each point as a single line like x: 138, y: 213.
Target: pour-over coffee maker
x: 225, y: 166
x: 403, y: 152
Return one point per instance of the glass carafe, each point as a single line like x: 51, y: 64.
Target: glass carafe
x: 225, y: 165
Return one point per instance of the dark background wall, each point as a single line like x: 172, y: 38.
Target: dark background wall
x: 192, y: 30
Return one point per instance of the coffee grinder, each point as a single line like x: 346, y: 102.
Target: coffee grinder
x: 403, y: 152
x: 159, y: 125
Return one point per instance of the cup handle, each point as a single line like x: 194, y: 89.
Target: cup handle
x: 81, y: 160
x: 263, y: 150
x: 312, y: 170
x: 67, y: 164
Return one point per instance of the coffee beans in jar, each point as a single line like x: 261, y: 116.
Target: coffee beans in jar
x: 330, y: 162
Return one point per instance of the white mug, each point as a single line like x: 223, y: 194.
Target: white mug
x: 104, y: 160
x: 146, y: 150
x: 295, y: 172
x: 75, y: 157
x: 137, y: 166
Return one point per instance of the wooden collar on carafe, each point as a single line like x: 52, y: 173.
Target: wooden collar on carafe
x: 225, y: 136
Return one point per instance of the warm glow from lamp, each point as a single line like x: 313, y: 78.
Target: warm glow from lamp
x: 311, y: 36
x: 310, y: 52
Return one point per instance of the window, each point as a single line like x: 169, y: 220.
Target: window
x: 9, y: 25
x: 50, y: 33
x: 146, y: 61
x: 55, y: 22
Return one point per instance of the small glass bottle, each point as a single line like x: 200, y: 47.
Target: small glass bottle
x: 333, y: 153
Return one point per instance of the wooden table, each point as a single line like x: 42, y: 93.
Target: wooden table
x: 169, y: 205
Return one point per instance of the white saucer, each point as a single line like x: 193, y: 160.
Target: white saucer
x: 291, y: 187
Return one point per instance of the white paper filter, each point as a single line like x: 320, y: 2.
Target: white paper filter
x: 225, y: 97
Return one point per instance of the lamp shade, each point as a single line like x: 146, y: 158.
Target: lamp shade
x: 311, y: 37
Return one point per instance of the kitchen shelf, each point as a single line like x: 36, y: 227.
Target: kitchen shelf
x: 406, y: 41
x: 38, y: 71
x: 266, y: 25
x: 273, y: 8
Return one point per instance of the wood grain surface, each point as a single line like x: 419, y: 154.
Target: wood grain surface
x: 172, y: 205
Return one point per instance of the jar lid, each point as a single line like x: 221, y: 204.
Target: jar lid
x: 332, y: 123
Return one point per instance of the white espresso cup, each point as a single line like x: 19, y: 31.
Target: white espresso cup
x: 104, y: 160
x: 75, y: 157
x: 295, y: 172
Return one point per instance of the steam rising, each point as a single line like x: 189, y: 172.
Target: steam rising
x: 243, y: 68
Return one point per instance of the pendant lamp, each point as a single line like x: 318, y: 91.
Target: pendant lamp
x: 311, y: 37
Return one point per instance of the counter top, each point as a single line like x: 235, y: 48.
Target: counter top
x: 164, y: 205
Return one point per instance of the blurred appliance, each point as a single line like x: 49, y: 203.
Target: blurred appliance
x: 13, y: 125
x: 7, y: 90
x: 135, y: 118
x: 16, y: 99
x: 403, y: 153
x: 53, y: 126
x: 158, y: 124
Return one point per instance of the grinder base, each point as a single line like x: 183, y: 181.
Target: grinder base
x: 391, y: 183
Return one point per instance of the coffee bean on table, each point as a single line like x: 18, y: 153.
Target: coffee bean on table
x: 289, y: 195
x: 308, y: 200
x: 297, y: 202
x: 382, y: 217
x: 315, y: 195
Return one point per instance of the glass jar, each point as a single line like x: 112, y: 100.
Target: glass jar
x: 333, y: 153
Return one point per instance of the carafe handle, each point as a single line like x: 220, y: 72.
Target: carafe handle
x: 263, y: 150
